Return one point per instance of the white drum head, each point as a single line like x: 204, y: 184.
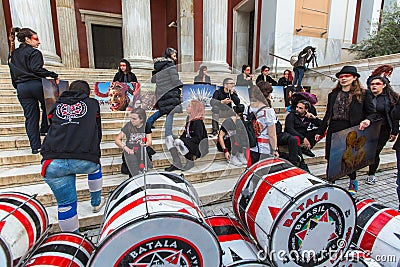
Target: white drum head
x: 321, y: 220
x: 160, y: 240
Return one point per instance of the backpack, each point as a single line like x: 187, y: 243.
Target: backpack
x: 245, y: 133
x: 293, y: 60
x: 252, y: 126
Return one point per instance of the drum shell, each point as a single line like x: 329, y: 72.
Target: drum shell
x: 23, y: 226
x: 276, y: 202
x: 62, y: 250
x: 378, y: 231
x: 159, y: 221
x: 235, y: 242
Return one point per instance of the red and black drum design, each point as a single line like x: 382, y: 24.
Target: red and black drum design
x: 291, y: 212
x: 358, y: 258
x: 378, y: 232
x: 238, y: 248
x: 23, y: 220
x: 62, y: 250
x: 157, y: 222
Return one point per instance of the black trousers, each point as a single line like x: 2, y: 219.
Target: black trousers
x: 292, y: 143
x: 384, y: 135
x: 30, y: 94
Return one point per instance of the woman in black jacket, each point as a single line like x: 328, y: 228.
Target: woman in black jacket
x: 125, y: 74
x: 202, y: 77
x: 348, y: 105
x: 26, y: 68
x: 385, y: 99
x: 168, y: 95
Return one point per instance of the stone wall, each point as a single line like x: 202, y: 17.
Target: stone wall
x: 322, y: 85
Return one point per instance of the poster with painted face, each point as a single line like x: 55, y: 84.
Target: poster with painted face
x: 117, y: 96
x: 201, y: 92
x: 352, y: 149
x: 52, y: 91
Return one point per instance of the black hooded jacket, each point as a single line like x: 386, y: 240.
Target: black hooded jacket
x: 168, y: 85
x: 75, y: 130
x: 27, y: 64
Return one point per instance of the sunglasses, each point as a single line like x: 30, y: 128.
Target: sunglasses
x: 122, y: 65
x: 376, y: 83
x: 35, y: 38
x: 345, y: 76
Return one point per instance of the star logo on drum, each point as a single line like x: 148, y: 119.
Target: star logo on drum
x: 172, y: 260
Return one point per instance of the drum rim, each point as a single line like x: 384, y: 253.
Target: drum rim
x: 7, y: 251
x: 127, y: 181
x: 239, y: 263
x: 156, y: 215
x: 284, y: 209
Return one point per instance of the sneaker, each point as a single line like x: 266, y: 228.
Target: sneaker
x: 307, y: 152
x: 371, y: 179
x: 96, y: 209
x: 242, y: 158
x: 235, y: 161
x: 353, y: 187
x: 35, y: 151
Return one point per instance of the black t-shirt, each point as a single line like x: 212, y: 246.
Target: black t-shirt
x: 134, y: 135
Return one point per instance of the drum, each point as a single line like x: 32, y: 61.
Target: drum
x: 357, y: 258
x: 157, y: 222
x: 290, y: 213
x: 238, y: 249
x: 62, y: 250
x: 378, y: 232
x: 23, y: 220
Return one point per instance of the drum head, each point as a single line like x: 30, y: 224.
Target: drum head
x: 5, y: 254
x: 159, y: 240
x: 321, y: 221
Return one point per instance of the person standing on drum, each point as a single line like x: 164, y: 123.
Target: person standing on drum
x: 72, y: 146
x: 26, y: 68
x: 260, y: 102
x: 138, y: 135
x: 349, y: 104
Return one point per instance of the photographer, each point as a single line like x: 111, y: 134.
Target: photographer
x: 305, y: 57
x: 221, y: 103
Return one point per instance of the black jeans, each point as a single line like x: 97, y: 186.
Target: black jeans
x: 29, y: 95
x: 384, y: 135
x: 292, y: 143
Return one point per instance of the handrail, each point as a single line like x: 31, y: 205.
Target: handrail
x: 334, y: 79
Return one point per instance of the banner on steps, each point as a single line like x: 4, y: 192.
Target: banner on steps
x: 201, y: 92
x: 352, y: 149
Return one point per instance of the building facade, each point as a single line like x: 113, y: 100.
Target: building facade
x: 219, y: 33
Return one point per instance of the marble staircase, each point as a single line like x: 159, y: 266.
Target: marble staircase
x: 212, y: 176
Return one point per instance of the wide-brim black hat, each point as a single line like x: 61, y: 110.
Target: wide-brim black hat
x: 348, y: 70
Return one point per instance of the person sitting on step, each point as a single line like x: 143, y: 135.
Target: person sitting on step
x: 193, y: 142
x: 229, y: 140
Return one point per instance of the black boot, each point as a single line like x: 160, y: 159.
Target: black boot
x: 176, y: 161
x: 215, y: 127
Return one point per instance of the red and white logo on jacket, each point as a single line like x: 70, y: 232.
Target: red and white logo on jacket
x: 69, y: 112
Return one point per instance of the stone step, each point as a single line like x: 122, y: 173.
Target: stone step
x: 7, y: 108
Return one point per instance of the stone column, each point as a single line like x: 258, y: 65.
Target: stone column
x: 68, y: 33
x: 136, y: 33
x: 186, y: 35
x: 3, y: 40
x: 369, y: 16
x: 37, y: 16
x: 215, y: 29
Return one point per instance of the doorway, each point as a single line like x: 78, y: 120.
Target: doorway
x: 107, y: 46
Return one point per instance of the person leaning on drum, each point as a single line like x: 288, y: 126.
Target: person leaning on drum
x: 138, y: 134
x: 349, y: 104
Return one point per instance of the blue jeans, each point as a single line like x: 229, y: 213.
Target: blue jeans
x: 168, y: 121
x: 298, y: 76
x: 398, y: 175
x: 61, y: 175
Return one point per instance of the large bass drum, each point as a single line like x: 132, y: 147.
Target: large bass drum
x: 290, y: 213
x: 156, y: 223
x: 62, y: 250
x: 378, y: 231
x: 23, y: 220
x: 238, y: 248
